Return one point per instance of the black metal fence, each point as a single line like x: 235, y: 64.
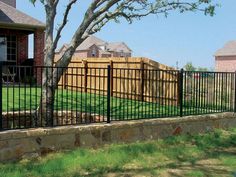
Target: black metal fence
x: 139, y: 94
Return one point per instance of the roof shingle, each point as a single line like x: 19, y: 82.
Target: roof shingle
x: 104, y: 46
x: 229, y: 49
x: 10, y: 16
x: 91, y: 40
x: 118, y: 47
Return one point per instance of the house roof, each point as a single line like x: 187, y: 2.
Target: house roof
x: 118, y: 47
x: 229, y: 49
x: 109, y: 47
x: 11, y: 17
x: 91, y: 40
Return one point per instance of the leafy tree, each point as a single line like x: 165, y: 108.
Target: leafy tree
x: 189, y: 67
x: 97, y: 15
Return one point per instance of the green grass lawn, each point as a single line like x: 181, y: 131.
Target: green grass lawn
x: 211, y: 154
x: 26, y: 98
x: 29, y: 98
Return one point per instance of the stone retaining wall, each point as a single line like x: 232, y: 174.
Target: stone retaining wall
x: 18, y: 144
x: 26, y: 119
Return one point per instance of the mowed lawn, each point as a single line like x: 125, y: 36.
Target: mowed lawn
x: 212, y: 154
x: 29, y: 99
x: 25, y: 98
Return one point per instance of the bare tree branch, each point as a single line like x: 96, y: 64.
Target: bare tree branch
x: 100, y: 12
x: 64, y: 22
x: 50, y: 8
x: 80, y: 35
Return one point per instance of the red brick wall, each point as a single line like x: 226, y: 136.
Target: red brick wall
x: 119, y: 54
x: 81, y: 54
x: 22, y: 43
x: 39, y: 53
x: 225, y: 64
x: 38, y: 47
x: 105, y: 55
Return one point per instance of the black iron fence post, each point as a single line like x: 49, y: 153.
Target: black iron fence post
x: 235, y: 91
x: 1, y: 96
x: 108, y: 93
x: 180, y: 91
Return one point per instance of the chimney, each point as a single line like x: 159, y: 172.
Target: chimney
x: 10, y: 2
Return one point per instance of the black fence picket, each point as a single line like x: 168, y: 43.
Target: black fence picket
x: 108, y: 93
x: 1, y: 96
x: 87, y: 95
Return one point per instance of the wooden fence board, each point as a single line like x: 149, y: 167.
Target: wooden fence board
x: 131, y: 78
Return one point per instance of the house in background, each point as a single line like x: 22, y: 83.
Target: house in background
x: 15, y: 28
x: 97, y: 48
x: 225, y: 58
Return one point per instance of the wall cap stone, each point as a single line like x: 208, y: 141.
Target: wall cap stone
x: 70, y: 129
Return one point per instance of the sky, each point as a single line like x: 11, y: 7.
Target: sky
x: 179, y: 38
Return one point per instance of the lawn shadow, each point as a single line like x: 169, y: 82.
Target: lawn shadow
x: 208, y: 163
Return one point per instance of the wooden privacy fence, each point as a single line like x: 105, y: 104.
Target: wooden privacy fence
x: 131, y: 78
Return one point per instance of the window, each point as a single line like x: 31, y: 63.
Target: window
x: 31, y: 46
x: 94, y: 52
x: 122, y: 54
x: 11, y: 48
x: 3, y: 49
x: 8, y: 48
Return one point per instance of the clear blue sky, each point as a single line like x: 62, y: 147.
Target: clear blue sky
x: 184, y: 37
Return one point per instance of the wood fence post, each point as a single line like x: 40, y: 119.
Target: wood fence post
x: 142, y: 81
x: 85, y: 76
x: 111, y: 74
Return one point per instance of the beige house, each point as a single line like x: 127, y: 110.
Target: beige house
x: 225, y: 58
x: 94, y: 47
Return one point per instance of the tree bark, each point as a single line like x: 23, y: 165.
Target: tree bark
x: 45, y: 111
x: 50, y: 78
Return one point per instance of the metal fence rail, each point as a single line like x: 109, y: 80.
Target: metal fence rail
x: 111, y: 94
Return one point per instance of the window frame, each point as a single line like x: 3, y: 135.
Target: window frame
x: 11, y: 45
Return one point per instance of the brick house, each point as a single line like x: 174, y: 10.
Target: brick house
x: 225, y: 58
x: 97, y: 48
x: 15, y: 28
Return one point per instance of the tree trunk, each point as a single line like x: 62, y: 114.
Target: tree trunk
x: 46, y: 107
